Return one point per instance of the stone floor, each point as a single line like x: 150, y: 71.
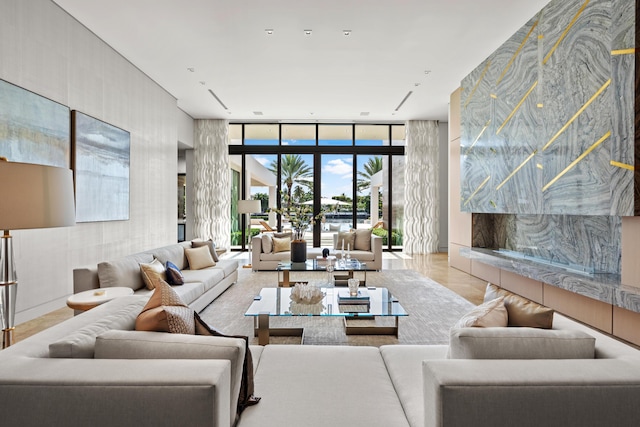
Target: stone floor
x: 435, y: 266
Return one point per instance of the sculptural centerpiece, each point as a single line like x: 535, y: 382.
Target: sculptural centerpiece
x: 306, y: 293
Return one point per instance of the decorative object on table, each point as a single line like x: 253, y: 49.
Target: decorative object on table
x: 306, y: 293
x: 348, y: 253
x: 33, y: 196
x: 353, y: 286
x: 248, y: 207
x: 325, y: 252
x: 101, y: 158
x: 360, y: 297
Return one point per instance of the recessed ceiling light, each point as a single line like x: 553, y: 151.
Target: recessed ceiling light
x: 307, y: 32
x: 427, y: 71
x: 191, y: 69
x: 346, y: 32
x: 257, y: 113
x: 416, y: 84
x: 269, y: 31
x: 203, y: 83
x: 364, y: 113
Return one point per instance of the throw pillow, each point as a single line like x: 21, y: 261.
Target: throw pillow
x: 363, y: 240
x: 267, y: 243
x: 199, y: 258
x: 491, y: 314
x: 152, y: 271
x: 348, y: 237
x: 520, y: 343
x: 174, y: 275
x: 281, y: 244
x: 165, y: 312
x: 245, y: 397
x: 521, y: 311
x: 209, y: 243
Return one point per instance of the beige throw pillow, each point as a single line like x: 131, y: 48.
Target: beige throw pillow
x: 152, y: 271
x: 281, y: 244
x: 165, y: 312
x: 267, y: 243
x: 209, y: 243
x: 491, y: 314
x: 363, y: 240
x: 348, y: 237
x: 521, y: 311
x: 199, y: 257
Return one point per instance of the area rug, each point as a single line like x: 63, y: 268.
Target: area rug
x: 432, y: 310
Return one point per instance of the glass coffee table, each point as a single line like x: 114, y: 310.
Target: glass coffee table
x: 277, y: 302
x: 342, y: 270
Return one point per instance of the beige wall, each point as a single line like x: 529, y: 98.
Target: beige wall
x: 46, y: 51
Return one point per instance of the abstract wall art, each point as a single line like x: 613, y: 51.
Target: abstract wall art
x: 101, y: 157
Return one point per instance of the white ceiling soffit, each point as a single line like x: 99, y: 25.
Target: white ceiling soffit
x: 200, y: 47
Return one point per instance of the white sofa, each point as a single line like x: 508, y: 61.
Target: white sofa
x: 269, y: 261
x: 125, y: 377
x: 200, y: 287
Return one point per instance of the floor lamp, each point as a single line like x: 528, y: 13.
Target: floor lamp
x: 31, y: 196
x: 248, y: 207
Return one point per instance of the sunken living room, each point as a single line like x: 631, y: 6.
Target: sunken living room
x: 416, y: 213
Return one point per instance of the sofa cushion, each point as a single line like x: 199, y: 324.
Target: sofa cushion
x: 267, y: 243
x: 227, y: 266
x: 174, y: 275
x: 173, y: 253
x: 281, y: 244
x: 81, y: 342
x: 345, y: 240
x: 165, y: 312
x: 123, y: 271
x: 362, y: 240
x: 199, y: 257
x: 488, y: 315
x: 151, y: 272
x: 521, y: 311
x: 208, y: 243
x: 520, y: 343
x: 209, y: 277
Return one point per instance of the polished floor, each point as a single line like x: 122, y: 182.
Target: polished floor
x: 435, y: 266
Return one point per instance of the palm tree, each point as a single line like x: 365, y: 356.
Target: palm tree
x: 295, y: 171
x: 373, y: 166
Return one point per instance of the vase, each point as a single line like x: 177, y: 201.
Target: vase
x: 299, y: 251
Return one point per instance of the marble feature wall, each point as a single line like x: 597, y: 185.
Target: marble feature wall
x: 591, y: 244
x: 421, y: 195
x: 211, y: 181
x: 547, y: 119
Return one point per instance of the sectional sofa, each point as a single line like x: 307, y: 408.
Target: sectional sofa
x: 94, y: 369
x: 262, y: 259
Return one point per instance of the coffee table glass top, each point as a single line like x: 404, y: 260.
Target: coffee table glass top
x: 314, y: 265
x: 277, y: 302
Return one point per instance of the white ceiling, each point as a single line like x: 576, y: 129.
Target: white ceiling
x: 289, y: 76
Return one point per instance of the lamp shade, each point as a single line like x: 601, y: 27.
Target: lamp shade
x: 35, y: 196
x: 249, y: 206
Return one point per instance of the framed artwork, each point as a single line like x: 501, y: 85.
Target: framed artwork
x: 101, y: 154
x: 33, y: 129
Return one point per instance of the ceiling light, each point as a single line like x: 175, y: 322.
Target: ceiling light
x: 307, y: 32
x: 427, y: 71
x: 191, y: 69
x: 269, y: 31
x: 404, y: 100
x: 416, y: 84
x: 203, y: 83
x: 218, y: 99
x: 346, y: 32
x: 364, y: 113
x: 257, y: 113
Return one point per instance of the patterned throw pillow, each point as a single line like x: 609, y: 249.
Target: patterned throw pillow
x: 165, y: 312
x: 152, y: 271
x: 174, y: 275
x: 281, y: 244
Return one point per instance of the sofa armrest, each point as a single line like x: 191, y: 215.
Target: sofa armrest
x: 376, y: 246
x: 118, y: 344
x: 256, y: 250
x: 80, y: 392
x: 85, y: 279
x: 585, y: 392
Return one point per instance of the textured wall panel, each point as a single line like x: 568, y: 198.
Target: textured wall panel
x: 421, y: 214
x: 212, y: 195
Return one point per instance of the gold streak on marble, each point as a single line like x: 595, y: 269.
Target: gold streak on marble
x: 622, y: 165
x: 576, y: 161
x: 477, y: 189
x: 540, y: 36
x: 479, y: 135
x: 517, y: 52
x: 515, y: 171
x: 575, y: 116
x: 473, y: 91
x: 539, y: 166
x: 566, y: 31
x: 517, y: 107
x: 494, y: 96
x: 629, y: 51
x: 540, y: 105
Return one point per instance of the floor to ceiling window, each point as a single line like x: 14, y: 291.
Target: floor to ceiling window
x: 351, y: 174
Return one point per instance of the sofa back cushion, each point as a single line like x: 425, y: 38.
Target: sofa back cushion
x: 345, y: 240
x: 363, y: 240
x: 173, y: 254
x: 123, y: 271
x: 520, y: 343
